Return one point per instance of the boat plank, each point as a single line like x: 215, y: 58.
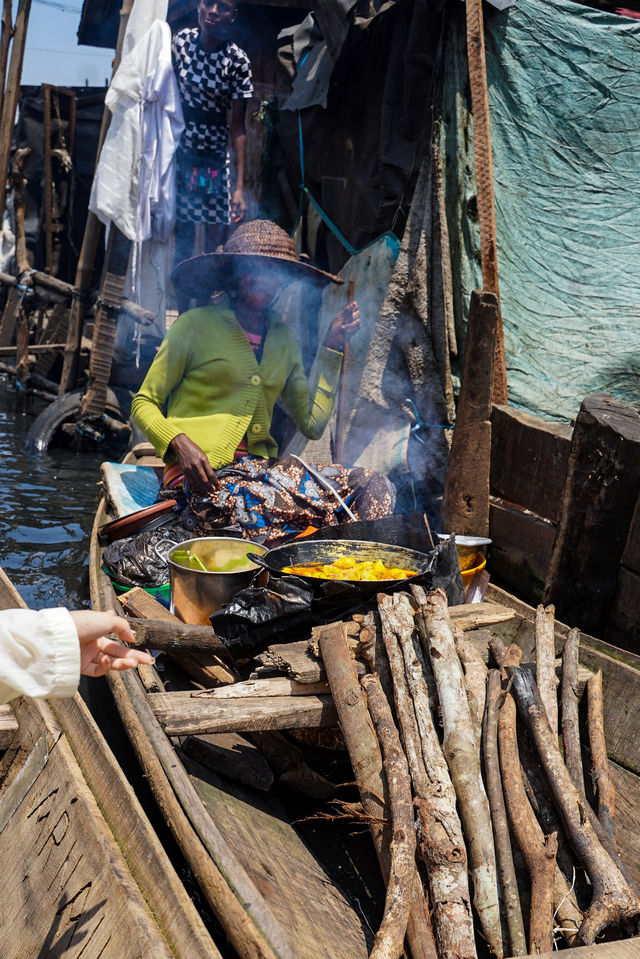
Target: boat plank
x: 59, y: 887
x: 292, y: 882
x: 186, y: 714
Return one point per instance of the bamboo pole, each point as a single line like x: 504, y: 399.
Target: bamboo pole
x: 484, y: 181
x: 5, y: 42
x: 12, y: 94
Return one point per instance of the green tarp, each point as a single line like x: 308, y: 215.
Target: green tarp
x: 564, y: 98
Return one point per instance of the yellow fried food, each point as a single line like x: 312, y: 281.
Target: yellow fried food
x: 346, y: 568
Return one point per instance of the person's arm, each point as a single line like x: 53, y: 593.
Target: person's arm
x: 42, y: 653
x: 311, y: 412
x: 239, y: 146
x: 163, y: 376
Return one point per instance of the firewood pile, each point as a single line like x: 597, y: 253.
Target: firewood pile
x: 472, y: 781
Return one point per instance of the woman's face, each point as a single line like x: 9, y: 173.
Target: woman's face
x: 258, y: 288
x: 215, y: 17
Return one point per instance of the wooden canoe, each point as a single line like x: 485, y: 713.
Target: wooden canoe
x: 267, y: 895
x: 85, y: 874
x: 270, y: 895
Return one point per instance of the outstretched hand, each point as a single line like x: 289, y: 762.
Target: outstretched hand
x: 344, y: 325
x: 193, y: 462
x: 98, y: 653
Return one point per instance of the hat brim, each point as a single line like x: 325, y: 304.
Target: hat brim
x: 209, y: 272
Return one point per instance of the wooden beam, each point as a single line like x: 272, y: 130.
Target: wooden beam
x: 484, y: 181
x: 597, y: 507
x: 465, y: 507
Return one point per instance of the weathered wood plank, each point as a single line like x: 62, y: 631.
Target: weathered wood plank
x: 529, y: 458
x: 623, y: 626
x: 230, y: 755
x: 631, y: 554
x: 59, y: 861
x: 465, y: 506
x: 521, y: 549
x: 317, y: 920
x: 180, y: 714
x: 603, y: 479
x: 278, y: 686
x: 8, y: 726
x: 627, y: 818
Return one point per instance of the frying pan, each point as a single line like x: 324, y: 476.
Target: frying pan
x: 329, y: 550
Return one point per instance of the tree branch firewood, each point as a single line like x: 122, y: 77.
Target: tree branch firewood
x: 389, y: 940
x: 600, y: 772
x: 568, y: 914
x: 538, y: 853
x: 569, y: 695
x: 546, y: 663
x: 460, y: 751
x: 441, y: 844
x: 475, y: 678
x: 614, y: 901
x: 364, y: 753
x: 506, y: 869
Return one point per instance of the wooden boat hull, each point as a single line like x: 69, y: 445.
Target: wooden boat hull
x: 224, y: 847
x: 85, y: 874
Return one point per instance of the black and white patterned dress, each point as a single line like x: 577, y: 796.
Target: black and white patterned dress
x: 208, y: 82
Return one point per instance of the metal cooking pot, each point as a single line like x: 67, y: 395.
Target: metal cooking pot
x: 196, y: 593
x: 329, y: 550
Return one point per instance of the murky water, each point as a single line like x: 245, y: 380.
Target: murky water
x: 48, y: 503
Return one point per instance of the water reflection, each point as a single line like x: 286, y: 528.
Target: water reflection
x: 48, y: 503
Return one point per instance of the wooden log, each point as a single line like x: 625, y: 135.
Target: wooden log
x: 546, y: 663
x: 441, y: 844
x: 167, y: 635
x: 465, y: 506
x: 261, y: 688
x: 464, y: 764
x: 286, y: 760
x: 5, y: 43
x: 613, y: 901
x: 390, y: 936
x: 570, y: 693
x: 600, y: 772
x: 206, y: 668
x: 297, y: 660
x: 187, y: 714
x: 600, y: 495
x: 539, y: 854
x: 475, y: 678
x: 504, y: 854
x: 366, y: 761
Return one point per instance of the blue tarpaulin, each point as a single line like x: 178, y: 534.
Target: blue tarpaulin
x: 564, y: 99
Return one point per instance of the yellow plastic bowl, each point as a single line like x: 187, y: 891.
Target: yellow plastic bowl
x: 479, y: 562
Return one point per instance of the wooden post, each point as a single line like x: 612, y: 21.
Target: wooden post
x: 484, y: 181
x: 602, y: 484
x: 5, y: 42
x: 341, y: 413
x: 465, y: 508
x: 11, y: 94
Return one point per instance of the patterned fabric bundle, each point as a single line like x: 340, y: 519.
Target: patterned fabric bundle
x: 273, y: 500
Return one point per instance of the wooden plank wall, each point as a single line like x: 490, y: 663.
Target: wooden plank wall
x: 529, y: 459
x: 623, y: 627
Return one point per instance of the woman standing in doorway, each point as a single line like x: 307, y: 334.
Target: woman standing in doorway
x: 214, y: 75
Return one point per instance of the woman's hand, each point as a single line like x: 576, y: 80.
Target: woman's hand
x: 193, y: 462
x: 238, y: 206
x: 344, y: 325
x: 98, y: 654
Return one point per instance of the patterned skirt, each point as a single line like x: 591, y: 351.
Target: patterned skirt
x: 202, y: 188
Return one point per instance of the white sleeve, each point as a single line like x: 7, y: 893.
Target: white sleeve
x: 39, y: 653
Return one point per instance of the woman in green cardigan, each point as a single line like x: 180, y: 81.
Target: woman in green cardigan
x: 209, y: 395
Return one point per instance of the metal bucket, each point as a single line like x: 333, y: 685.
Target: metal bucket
x: 196, y: 593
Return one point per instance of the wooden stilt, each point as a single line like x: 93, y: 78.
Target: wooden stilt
x: 12, y: 93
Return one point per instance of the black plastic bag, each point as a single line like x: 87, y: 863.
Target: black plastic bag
x: 143, y: 559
